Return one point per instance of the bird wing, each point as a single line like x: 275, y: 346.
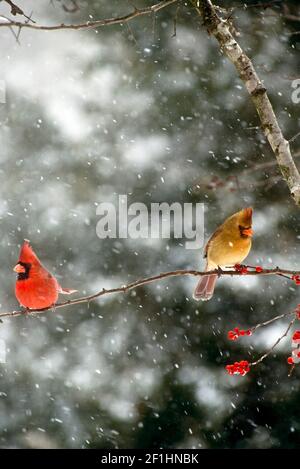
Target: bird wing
x: 213, y: 236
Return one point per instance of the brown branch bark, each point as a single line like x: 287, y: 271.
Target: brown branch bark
x: 220, y: 29
x: 270, y: 321
x: 14, y: 9
x: 97, y: 23
x: 145, y: 281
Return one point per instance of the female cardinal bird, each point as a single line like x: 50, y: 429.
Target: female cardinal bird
x: 229, y: 245
x: 36, y: 288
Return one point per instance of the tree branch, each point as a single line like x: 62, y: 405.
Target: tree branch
x: 270, y: 321
x: 155, y: 278
x: 266, y: 354
x: 97, y: 23
x: 221, y: 29
x: 243, y: 367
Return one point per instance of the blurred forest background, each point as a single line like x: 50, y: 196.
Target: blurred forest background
x: 135, y: 110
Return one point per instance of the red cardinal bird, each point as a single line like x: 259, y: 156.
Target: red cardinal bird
x: 36, y: 288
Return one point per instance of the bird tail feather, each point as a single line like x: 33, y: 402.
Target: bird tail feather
x: 66, y: 291
x: 205, y: 287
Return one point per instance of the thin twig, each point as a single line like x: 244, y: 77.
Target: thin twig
x: 294, y: 138
x: 291, y: 17
x: 291, y: 370
x: 266, y: 323
x: 260, y: 5
x: 16, y: 10
x: 266, y: 354
x: 175, y: 21
x: 97, y: 23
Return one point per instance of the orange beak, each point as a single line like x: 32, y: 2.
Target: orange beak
x: 20, y: 269
x: 248, y: 232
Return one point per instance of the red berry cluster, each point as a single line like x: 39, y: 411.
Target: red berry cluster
x: 296, y: 279
x: 236, y: 333
x: 238, y: 368
x: 296, y: 338
x: 295, y: 357
x: 242, y: 269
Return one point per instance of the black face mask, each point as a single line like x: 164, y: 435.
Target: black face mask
x: 24, y: 275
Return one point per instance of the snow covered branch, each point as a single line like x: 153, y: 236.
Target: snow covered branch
x: 221, y: 29
x: 239, y: 270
